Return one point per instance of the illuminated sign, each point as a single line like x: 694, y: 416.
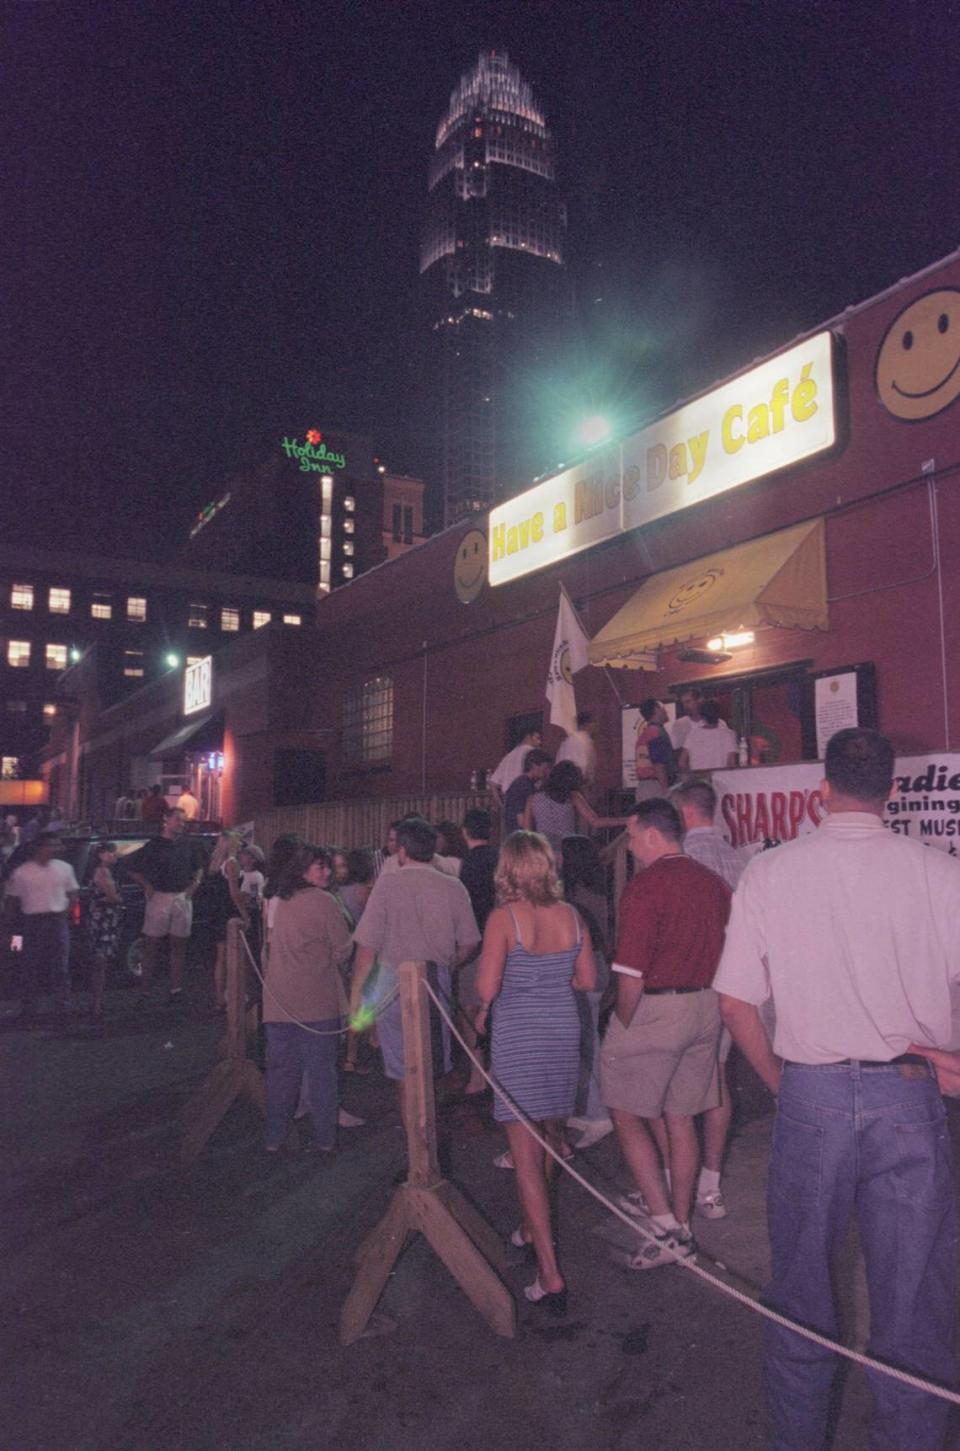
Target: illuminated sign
x: 210, y: 512
x: 772, y: 417
x: 313, y: 455
x: 198, y: 686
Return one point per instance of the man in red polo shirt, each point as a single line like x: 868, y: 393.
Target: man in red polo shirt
x: 660, y: 1052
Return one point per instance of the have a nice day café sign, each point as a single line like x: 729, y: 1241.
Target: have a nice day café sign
x: 765, y: 420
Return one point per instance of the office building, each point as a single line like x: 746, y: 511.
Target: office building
x: 491, y: 261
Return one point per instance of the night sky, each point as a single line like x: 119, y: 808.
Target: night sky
x: 210, y: 217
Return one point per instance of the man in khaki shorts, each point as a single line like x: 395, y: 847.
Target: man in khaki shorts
x: 167, y: 869
x: 659, y: 1056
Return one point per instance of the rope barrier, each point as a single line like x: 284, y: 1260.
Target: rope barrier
x: 750, y: 1301
x: 318, y: 1032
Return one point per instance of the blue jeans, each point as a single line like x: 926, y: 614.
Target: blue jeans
x: 46, y: 953
x: 873, y: 1140
x: 291, y: 1052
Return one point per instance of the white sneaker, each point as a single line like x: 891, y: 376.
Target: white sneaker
x: 711, y: 1205
x: 593, y: 1131
x: 634, y: 1203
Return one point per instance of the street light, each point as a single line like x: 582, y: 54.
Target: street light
x: 173, y: 660
x: 75, y: 654
x: 594, y: 429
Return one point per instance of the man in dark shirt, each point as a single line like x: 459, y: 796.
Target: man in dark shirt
x: 660, y: 1052
x: 169, y: 872
x: 536, y: 767
x: 476, y: 874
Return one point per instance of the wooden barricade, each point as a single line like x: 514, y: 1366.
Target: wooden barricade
x: 235, y: 1075
x: 427, y: 1203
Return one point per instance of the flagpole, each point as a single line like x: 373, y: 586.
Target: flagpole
x: 604, y: 668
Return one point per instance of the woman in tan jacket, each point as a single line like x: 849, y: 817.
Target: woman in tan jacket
x: 303, y: 999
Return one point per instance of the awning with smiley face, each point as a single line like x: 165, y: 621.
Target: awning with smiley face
x: 780, y: 579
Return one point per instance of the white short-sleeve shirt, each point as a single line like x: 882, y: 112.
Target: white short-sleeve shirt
x: 854, y: 933
x: 42, y: 888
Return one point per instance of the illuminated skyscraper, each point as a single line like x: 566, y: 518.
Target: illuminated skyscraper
x: 492, y: 262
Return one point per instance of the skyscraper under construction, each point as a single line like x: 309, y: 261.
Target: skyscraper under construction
x: 492, y: 264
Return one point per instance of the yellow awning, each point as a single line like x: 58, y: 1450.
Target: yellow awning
x: 778, y: 580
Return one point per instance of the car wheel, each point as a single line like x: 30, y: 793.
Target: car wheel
x: 134, y: 958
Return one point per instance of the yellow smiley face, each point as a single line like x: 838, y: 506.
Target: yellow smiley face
x: 918, y: 364
x: 470, y: 566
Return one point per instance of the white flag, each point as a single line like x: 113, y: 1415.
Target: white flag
x: 569, y: 656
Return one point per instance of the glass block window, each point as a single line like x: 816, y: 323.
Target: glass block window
x: 229, y: 618
x: 21, y: 597
x: 56, y: 657
x: 18, y: 653
x: 368, y: 722
x: 261, y: 618
x: 136, y: 607
x: 101, y: 607
x: 197, y: 617
x: 58, y: 601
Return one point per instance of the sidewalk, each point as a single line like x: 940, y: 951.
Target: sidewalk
x: 153, y: 1306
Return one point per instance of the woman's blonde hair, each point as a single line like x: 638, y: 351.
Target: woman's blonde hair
x: 227, y: 844
x: 527, y: 870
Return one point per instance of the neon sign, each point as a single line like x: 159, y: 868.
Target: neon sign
x: 313, y: 454
x: 209, y: 513
x: 198, y: 686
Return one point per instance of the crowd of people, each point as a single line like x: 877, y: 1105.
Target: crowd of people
x: 832, y: 962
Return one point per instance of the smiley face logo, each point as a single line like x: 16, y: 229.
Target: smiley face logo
x: 918, y: 363
x: 470, y: 566
x: 689, y: 594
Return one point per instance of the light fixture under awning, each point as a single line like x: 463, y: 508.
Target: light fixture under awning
x: 780, y: 579
x: 205, y: 734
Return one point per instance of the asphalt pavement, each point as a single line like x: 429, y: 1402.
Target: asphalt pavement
x: 152, y: 1305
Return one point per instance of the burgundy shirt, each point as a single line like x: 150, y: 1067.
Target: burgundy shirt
x: 673, y: 916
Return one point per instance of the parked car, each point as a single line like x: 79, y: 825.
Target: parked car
x: 79, y: 849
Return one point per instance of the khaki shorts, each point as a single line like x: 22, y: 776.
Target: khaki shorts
x: 666, y: 1061
x: 168, y: 914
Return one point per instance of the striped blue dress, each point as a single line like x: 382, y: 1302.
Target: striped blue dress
x: 535, y: 1041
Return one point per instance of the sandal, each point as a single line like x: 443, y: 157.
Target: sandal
x: 665, y: 1248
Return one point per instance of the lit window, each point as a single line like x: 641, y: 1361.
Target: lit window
x: 292, y: 620
x: 56, y: 657
x: 49, y: 710
x: 261, y: 618
x: 21, y: 597
x: 229, y: 619
x: 368, y: 722
x: 349, y: 503
x: 9, y: 766
x: 18, y: 707
x: 324, y: 548
x: 18, y: 653
x: 348, y: 546
x: 101, y: 607
x: 133, y: 664
x: 348, y: 526
x: 325, y: 526
x: 195, y: 659
x: 326, y: 494
x: 348, y: 571
x: 197, y: 618
x: 59, y: 602
x: 324, y: 574
x: 136, y: 607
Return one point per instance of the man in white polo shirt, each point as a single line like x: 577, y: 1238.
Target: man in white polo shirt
x: 44, y: 887
x: 854, y: 933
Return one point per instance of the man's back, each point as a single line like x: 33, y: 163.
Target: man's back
x: 417, y: 914
x: 855, y: 932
